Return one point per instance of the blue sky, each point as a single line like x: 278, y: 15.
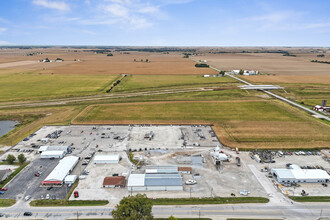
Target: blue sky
x: 165, y: 22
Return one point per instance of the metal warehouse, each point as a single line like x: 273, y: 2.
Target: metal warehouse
x: 54, y: 148
x: 154, y: 182
x: 70, y: 179
x: 106, y: 158
x: 298, y: 175
x: 64, y: 167
x: 162, y: 169
x: 53, y: 154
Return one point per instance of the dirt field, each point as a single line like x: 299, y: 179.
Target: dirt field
x: 286, y: 69
x: 90, y: 63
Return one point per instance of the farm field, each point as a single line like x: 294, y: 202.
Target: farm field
x: 149, y: 82
x: 247, y: 124
x: 34, y: 86
x: 280, y: 68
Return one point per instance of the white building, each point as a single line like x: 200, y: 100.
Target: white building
x: 235, y: 72
x: 298, y: 175
x: 106, y: 158
x: 206, y: 76
x: 70, y: 179
x: 54, y: 148
x: 63, y: 168
x: 155, y: 182
x: 52, y: 154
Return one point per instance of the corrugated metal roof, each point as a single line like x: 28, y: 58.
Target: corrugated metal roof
x: 136, y: 180
x: 166, y: 167
x: 62, y: 169
x: 53, y: 153
x: 159, y: 175
x: 106, y: 157
x: 310, y: 174
x: 283, y: 173
x: 163, y: 182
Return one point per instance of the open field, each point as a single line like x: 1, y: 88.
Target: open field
x: 33, y: 86
x: 286, y: 69
x: 246, y: 124
x: 148, y: 82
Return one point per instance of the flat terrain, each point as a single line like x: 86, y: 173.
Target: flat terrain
x: 149, y: 82
x: 280, y: 68
x: 247, y: 124
x: 37, y: 86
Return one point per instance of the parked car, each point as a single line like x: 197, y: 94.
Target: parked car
x: 27, y: 213
x: 191, y: 182
x: 47, y: 196
x: 37, y: 174
x: 49, y: 188
x: 53, y: 197
x: 76, y: 194
x: 42, y: 197
x: 324, y: 184
x: 27, y: 197
x: 2, y: 192
x: 1, y: 215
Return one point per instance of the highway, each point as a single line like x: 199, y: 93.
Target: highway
x: 293, y: 211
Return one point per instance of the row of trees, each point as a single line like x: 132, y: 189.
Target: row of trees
x: 11, y: 159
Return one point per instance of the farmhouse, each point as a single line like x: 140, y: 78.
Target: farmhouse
x: 321, y: 108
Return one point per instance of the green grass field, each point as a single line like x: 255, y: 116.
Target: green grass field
x: 150, y: 82
x: 7, y: 202
x: 310, y: 198
x: 33, y: 86
x: 63, y: 202
x: 182, y: 111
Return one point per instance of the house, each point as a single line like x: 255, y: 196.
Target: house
x: 235, y: 72
x: 114, y: 181
x: 321, y: 108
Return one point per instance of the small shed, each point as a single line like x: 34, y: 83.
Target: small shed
x: 114, y: 181
x: 70, y: 179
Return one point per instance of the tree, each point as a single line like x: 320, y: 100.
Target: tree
x: 222, y: 73
x: 21, y: 158
x: 241, y: 72
x: 10, y: 159
x: 133, y: 207
x: 147, y: 61
x: 172, y: 218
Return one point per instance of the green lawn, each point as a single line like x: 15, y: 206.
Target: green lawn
x: 149, y: 82
x: 202, y: 201
x: 33, y: 86
x: 310, y: 198
x: 7, y: 202
x: 208, y: 111
x: 63, y: 202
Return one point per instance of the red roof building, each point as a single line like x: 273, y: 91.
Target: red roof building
x: 114, y: 181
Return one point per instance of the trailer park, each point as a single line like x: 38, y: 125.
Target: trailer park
x: 163, y: 161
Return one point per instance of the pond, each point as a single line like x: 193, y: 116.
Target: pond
x: 6, y: 126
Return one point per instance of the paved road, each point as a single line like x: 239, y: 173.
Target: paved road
x: 101, y: 97
x: 297, y: 211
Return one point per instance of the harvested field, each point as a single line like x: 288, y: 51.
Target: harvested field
x: 34, y: 86
x: 287, y: 69
x: 18, y: 63
x: 251, y: 124
x: 147, y: 82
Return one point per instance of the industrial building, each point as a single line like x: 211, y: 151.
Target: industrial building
x: 52, y: 154
x: 161, y: 169
x: 297, y: 175
x: 153, y: 182
x: 64, y: 167
x: 185, y: 170
x: 106, y: 158
x: 114, y: 181
x: 54, y: 148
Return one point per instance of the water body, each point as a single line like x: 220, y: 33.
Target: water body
x: 6, y: 126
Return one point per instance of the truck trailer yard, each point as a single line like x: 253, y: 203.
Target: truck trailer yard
x: 123, y: 150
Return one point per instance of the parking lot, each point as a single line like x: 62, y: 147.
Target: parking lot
x: 26, y: 183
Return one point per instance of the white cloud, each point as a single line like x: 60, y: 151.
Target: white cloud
x: 62, y: 6
x: 117, y: 10
x: 2, y: 30
x: 4, y: 42
x: 318, y: 25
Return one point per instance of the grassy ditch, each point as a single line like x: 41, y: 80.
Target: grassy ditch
x: 201, y: 201
x: 7, y: 202
x: 64, y: 202
x: 13, y: 174
x: 310, y: 198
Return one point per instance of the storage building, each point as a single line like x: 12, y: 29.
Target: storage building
x: 114, y: 181
x: 54, y: 148
x: 185, y: 170
x: 70, y: 179
x: 63, y: 168
x: 155, y: 182
x: 106, y: 158
x: 161, y: 169
x: 297, y: 175
x: 53, y: 154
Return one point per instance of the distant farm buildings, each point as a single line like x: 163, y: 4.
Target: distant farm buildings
x: 323, y: 107
x: 245, y: 72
